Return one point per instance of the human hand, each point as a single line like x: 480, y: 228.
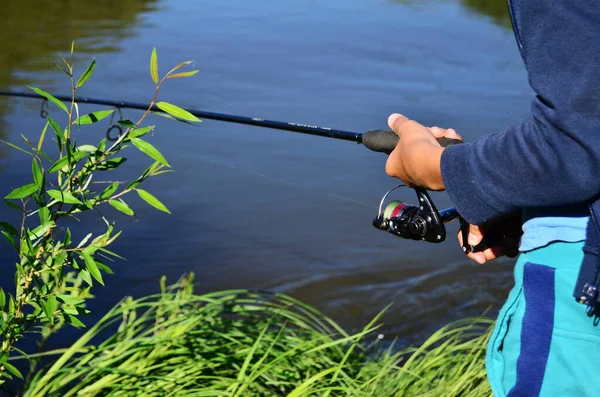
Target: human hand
x: 416, y: 158
x: 501, y: 236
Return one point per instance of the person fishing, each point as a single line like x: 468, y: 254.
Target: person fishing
x: 545, y: 171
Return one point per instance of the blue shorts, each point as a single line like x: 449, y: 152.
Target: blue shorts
x: 543, y: 343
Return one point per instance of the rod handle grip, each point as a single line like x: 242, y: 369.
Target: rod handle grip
x: 385, y: 141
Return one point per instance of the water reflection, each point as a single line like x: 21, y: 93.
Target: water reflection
x: 35, y: 31
x: 496, y: 9
x: 33, y: 38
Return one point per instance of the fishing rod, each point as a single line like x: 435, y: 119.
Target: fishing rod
x: 423, y: 222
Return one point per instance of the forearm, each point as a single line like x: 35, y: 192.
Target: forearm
x: 529, y: 165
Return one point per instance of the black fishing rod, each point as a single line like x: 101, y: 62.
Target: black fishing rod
x: 255, y: 121
x: 423, y: 222
x: 376, y: 140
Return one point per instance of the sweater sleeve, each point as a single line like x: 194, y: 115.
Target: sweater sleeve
x: 552, y: 158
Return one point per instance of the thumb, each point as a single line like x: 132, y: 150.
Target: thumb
x: 475, y: 235
x: 395, y: 122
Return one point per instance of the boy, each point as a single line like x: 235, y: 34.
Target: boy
x: 546, y: 169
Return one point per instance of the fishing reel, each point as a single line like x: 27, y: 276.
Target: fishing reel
x: 421, y: 222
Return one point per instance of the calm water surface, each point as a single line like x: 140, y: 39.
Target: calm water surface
x: 264, y: 209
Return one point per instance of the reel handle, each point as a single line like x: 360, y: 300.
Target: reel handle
x: 385, y: 141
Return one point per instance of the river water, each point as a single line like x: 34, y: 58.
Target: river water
x: 266, y: 209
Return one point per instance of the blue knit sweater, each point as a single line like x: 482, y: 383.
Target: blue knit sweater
x: 552, y: 159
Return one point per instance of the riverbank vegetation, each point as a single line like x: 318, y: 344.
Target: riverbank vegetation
x: 240, y: 343
x: 177, y: 343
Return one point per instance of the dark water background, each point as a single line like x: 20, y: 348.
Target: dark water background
x: 264, y: 209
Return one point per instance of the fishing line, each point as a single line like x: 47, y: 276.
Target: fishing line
x: 285, y: 181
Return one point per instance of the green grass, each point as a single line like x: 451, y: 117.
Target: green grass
x: 240, y: 343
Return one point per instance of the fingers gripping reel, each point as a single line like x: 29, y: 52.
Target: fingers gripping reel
x: 422, y: 222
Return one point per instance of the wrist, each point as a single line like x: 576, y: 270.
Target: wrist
x: 431, y: 174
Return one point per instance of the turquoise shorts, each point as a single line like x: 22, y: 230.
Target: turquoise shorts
x: 543, y: 343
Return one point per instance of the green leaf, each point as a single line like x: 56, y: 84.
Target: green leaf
x: 85, y: 275
x: 86, y: 75
x: 12, y: 304
x: 57, y: 130
x: 40, y: 230
x: 104, y: 268
x: 121, y: 206
x: 150, y: 170
x: 65, y: 61
x: 138, y: 132
x: 59, y: 164
x: 84, y: 240
x: 69, y: 309
x: 37, y: 173
x: 12, y: 370
x: 26, y: 245
x: 87, y: 148
x: 126, y: 123
x: 74, y: 321
x: 44, y: 214
x: 154, y: 66
x: 42, y: 137
x: 52, y: 303
x: 67, y: 240
x: 77, y: 157
x: 27, y: 141
x: 111, y: 253
x: 12, y: 145
x: 44, y: 155
x: 69, y: 300
x: 94, y: 117
x: 150, y: 150
x: 134, y: 184
x: 168, y: 116
x: 63, y: 197
x: 109, y: 190
x: 153, y: 201
x: 176, y: 111
x: 60, y: 257
x: 111, y: 164
x: 23, y: 191
x: 13, y: 205
x: 61, y: 68
x: 49, y: 307
x: 179, y: 66
x: 9, y: 228
x: 182, y: 74
x: 90, y: 264
x: 51, y: 98
x: 2, y: 298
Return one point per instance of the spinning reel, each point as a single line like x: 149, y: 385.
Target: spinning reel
x: 421, y: 222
